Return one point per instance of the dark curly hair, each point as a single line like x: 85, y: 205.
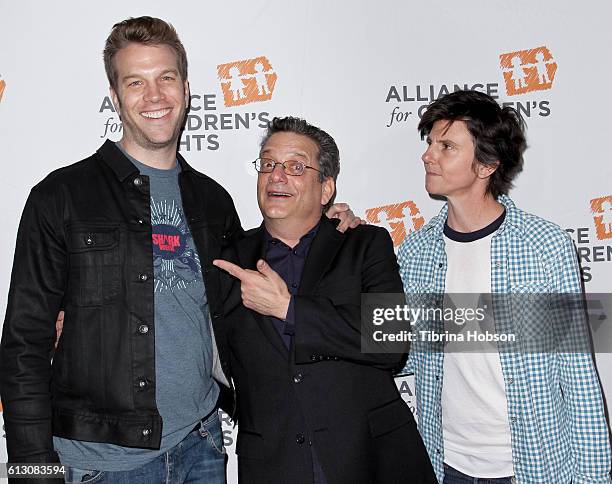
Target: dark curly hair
x: 498, y: 133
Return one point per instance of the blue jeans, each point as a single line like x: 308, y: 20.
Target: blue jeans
x: 453, y: 476
x: 198, y: 458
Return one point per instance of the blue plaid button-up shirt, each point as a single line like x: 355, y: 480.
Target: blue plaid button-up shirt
x: 558, y: 429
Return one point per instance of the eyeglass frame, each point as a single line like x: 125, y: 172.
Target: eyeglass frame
x: 282, y: 163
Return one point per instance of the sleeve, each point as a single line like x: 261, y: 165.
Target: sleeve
x: 290, y: 318
x: 579, y: 382
x: 402, y: 257
x: 328, y: 329
x: 408, y: 367
x: 36, y: 291
x: 234, y: 228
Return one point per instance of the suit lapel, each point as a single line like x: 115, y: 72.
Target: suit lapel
x: 250, y: 250
x: 324, y: 248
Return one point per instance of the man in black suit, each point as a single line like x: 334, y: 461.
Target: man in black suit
x: 311, y: 406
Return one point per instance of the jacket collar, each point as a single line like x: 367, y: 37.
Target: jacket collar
x: 323, y: 249
x: 514, y: 220
x: 123, y: 167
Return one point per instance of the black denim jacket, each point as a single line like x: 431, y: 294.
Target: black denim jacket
x: 84, y: 244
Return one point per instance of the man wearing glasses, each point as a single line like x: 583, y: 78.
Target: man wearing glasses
x: 311, y: 406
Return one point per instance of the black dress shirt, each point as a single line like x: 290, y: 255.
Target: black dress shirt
x: 289, y: 264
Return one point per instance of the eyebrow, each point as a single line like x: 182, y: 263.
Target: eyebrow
x: 442, y: 140
x: 297, y: 153
x: 163, y: 73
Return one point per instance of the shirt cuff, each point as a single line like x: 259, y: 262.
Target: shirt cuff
x: 290, y: 319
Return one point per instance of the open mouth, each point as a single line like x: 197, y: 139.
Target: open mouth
x: 279, y: 194
x: 156, y: 114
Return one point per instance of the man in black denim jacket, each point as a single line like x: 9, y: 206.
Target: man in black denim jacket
x: 85, y: 244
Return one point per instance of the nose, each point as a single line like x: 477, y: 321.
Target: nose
x: 278, y: 174
x: 153, y: 92
x: 428, y: 157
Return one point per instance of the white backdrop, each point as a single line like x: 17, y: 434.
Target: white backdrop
x: 360, y: 70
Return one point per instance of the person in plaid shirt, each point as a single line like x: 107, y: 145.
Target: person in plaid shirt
x: 497, y: 416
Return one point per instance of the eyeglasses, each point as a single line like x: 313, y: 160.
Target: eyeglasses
x: 290, y: 167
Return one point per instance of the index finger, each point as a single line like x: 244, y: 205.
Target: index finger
x: 233, y: 269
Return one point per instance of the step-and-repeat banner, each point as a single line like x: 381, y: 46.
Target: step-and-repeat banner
x: 363, y: 71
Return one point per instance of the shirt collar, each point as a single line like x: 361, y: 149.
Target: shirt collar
x: 123, y: 167
x: 514, y: 219
x: 304, y: 238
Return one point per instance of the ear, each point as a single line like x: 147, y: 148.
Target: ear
x: 328, y: 190
x: 115, y: 100
x: 485, y: 171
x: 187, y: 94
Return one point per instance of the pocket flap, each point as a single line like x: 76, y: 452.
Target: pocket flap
x: 93, y: 238
x: 390, y: 416
x: 250, y: 444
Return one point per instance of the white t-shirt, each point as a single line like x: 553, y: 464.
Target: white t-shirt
x: 474, y: 406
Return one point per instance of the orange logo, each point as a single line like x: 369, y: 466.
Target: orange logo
x: 2, y: 86
x: 602, y: 216
x: 1, y: 409
x: 247, y: 81
x: 394, y: 217
x: 528, y: 70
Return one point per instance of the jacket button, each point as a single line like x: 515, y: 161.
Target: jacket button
x: 143, y: 329
x: 140, y: 221
x: 216, y: 316
x: 137, y: 181
x: 336, y: 358
x: 143, y: 383
x: 300, y: 439
x: 321, y: 357
x: 313, y: 357
x: 297, y: 378
x: 510, y: 381
x: 146, y: 432
x: 89, y: 240
x: 440, y: 265
x: 143, y: 277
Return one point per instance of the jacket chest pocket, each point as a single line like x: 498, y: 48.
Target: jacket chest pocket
x: 95, y: 265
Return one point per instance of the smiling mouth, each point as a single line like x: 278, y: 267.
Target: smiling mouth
x: 155, y: 114
x: 279, y: 194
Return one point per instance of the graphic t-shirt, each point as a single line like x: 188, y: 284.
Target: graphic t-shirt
x: 185, y: 390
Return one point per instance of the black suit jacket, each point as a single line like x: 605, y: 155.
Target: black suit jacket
x: 323, y: 391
